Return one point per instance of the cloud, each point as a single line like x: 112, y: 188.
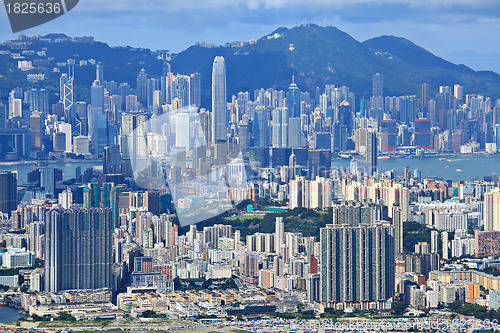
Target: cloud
x: 173, y: 6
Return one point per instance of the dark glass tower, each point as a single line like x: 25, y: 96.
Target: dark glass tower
x: 219, y: 122
x: 8, y: 194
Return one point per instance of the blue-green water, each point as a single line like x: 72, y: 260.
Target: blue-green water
x: 8, y: 315
x: 68, y: 169
x: 459, y: 167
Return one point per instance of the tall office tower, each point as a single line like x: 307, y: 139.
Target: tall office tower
x: 142, y: 86
x: 38, y: 100
x: 79, y: 249
x: 397, y: 222
x: 37, y: 130
x: 98, y: 128
x: 492, y: 210
x: 388, y: 135
x: 279, y: 237
x: 205, y: 117
x: 378, y: 85
x: 112, y: 160
x: 66, y: 88
x: 99, y: 69
x: 152, y: 86
x: 458, y: 92
x: 195, y: 90
x: 345, y: 117
x: 260, y: 128
x: 372, y: 151
x: 357, y: 265
x: 179, y: 89
x: 81, y: 112
x: 295, y: 136
x: 407, y: 109
x: 3, y: 115
x: 164, y: 84
x: 219, y: 100
x: 377, y: 99
x: 280, y: 127
x: 48, y: 181
x: 293, y: 100
x: 133, y: 140
x: 8, y: 194
x: 423, y: 135
x: 425, y: 96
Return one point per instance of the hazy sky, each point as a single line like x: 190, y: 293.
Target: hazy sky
x: 462, y: 31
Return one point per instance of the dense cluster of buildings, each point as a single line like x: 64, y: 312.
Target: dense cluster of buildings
x: 130, y: 228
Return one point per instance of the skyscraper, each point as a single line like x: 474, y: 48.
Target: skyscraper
x: 492, y: 210
x: 8, y: 194
x: 260, y: 128
x: 78, y: 245
x: 133, y: 140
x: 378, y: 85
x: 100, y: 73
x: 3, y: 115
x: 219, y: 122
x: 372, y: 150
x: 397, y: 222
x: 280, y: 127
x: 142, y: 86
x: 425, y: 96
x: 357, y: 264
x: 293, y: 100
x: 98, y: 129
x: 279, y: 237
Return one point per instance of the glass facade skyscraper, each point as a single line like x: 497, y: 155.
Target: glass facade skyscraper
x: 8, y: 194
x: 219, y: 122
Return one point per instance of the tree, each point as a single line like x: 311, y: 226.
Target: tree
x: 5, y: 288
x: 457, y: 304
x: 24, y: 289
x: 399, y: 308
x: 66, y: 317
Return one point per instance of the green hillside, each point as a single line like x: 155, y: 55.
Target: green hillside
x: 316, y: 55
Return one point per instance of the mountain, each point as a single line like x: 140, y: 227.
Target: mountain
x: 325, y: 55
x: 315, y: 55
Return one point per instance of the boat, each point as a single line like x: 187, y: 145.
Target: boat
x: 442, y: 159
x: 3, y: 303
x: 459, y: 170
